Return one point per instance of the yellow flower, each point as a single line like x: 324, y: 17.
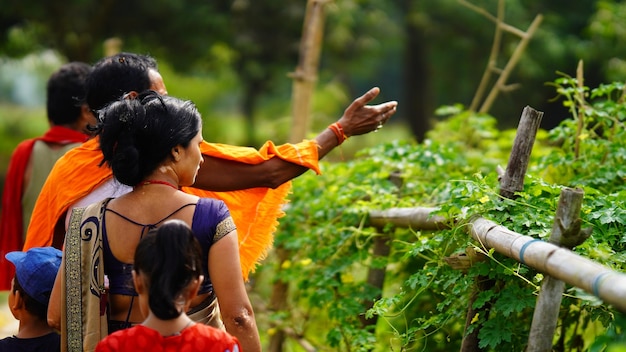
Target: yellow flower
x: 347, y: 278
x: 475, y: 318
x: 484, y: 199
x: 306, y: 262
x: 286, y: 264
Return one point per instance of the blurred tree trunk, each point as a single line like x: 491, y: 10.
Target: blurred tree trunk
x: 417, y: 101
x: 252, y: 92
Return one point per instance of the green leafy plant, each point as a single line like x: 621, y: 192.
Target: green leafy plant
x: 424, y: 301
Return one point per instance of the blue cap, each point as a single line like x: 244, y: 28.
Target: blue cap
x: 36, y: 270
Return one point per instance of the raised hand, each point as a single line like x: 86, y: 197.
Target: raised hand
x: 359, y: 118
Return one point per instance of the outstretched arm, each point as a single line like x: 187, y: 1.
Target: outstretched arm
x: 225, y: 175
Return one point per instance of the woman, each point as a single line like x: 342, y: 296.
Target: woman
x: 167, y: 275
x: 151, y: 142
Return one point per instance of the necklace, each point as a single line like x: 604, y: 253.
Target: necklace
x: 158, y: 182
x: 181, y: 330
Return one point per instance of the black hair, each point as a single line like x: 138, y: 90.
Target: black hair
x: 138, y: 134
x: 113, y: 76
x: 33, y: 306
x: 169, y: 257
x: 66, y: 93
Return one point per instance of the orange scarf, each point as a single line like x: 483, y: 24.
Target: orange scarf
x: 255, y: 211
x: 11, y: 228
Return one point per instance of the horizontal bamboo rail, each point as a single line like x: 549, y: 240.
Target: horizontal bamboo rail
x: 560, y: 263
x: 418, y: 218
x: 563, y: 264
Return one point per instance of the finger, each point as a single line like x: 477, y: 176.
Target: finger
x: 384, y: 107
x: 389, y: 112
x: 385, y: 116
x: 391, y: 105
x: 364, y: 99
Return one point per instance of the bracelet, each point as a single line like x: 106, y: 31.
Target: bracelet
x: 338, y: 131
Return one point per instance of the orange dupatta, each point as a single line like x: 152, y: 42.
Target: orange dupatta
x: 255, y: 211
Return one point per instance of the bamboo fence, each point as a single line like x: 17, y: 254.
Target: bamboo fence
x: 547, y: 258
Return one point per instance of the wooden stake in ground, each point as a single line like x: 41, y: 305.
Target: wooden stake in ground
x: 303, y: 84
x: 566, y: 232
x: 512, y: 181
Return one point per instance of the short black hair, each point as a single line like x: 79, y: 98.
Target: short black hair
x: 34, y: 307
x: 66, y: 92
x: 114, y: 76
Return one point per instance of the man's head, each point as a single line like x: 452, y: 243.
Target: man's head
x: 116, y: 75
x: 35, y: 272
x: 66, y: 92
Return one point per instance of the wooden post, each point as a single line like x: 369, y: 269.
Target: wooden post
x: 278, y: 302
x: 512, y: 181
x: 304, y: 82
x: 566, y: 232
x: 305, y: 76
x: 376, y: 276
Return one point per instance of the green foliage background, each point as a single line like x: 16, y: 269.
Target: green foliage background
x: 232, y: 59
x: 424, y: 301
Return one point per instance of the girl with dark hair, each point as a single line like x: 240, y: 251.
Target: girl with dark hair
x: 167, y: 275
x: 151, y: 143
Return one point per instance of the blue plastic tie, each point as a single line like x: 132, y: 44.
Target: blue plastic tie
x: 595, y: 286
x: 523, y: 249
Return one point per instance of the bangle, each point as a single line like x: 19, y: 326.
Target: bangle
x: 338, y: 131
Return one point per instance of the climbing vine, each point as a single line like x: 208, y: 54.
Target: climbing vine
x: 423, y: 304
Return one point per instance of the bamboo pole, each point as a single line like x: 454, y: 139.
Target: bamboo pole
x: 517, y: 54
x: 563, y: 264
x: 493, y: 58
x: 304, y: 80
x: 408, y: 217
x: 560, y: 263
x: 305, y: 76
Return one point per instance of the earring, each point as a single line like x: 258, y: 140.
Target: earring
x: 180, y: 302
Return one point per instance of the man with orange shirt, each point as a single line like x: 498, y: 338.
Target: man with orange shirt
x: 253, y: 183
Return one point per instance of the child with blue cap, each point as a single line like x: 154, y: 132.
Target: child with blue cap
x: 35, y: 271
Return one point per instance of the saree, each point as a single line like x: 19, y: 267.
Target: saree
x: 84, y: 305
x: 207, y: 313
x: 83, y: 311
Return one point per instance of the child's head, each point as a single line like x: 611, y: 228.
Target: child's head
x: 35, y: 272
x: 168, y: 265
